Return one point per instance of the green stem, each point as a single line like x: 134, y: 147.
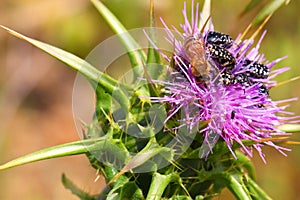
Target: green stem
x: 257, y: 192
x: 246, y: 163
x: 234, y: 182
x: 239, y: 190
x: 158, y: 185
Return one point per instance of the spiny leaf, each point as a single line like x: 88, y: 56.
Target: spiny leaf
x: 92, y: 74
x: 268, y: 10
x: 252, y: 4
x: 136, y: 55
x: 153, y: 55
x: 75, y: 190
x: 290, y: 128
x: 153, y: 70
x: 111, y: 152
x: 158, y: 185
x: 130, y: 190
x: 205, y: 12
x: 69, y: 149
x: 151, y: 150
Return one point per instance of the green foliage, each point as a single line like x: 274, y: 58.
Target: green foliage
x: 268, y: 9
x: 119, y: 110
x: 73, y: 148
x: 76, y: 191
x: 290, y: 128
x: 136, y: 55
x: 87, y: 70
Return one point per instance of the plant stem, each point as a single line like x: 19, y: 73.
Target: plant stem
x: 257, y: 191
x: 158, y: 185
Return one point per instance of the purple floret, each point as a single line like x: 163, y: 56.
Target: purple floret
x: 234, y: 112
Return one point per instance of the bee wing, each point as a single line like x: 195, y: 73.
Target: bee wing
x: 214, y: 70
x: 212, y: 65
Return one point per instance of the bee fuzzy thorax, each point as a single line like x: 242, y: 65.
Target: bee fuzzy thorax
x: 195, y: 53
x: 209, y: 57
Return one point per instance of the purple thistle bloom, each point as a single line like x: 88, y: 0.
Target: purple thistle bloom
x: 236, y: 111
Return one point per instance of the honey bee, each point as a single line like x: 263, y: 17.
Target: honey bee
x: 207, y: 56
x: 196, y: 54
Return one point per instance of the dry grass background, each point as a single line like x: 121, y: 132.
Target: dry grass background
x: 36, y: 90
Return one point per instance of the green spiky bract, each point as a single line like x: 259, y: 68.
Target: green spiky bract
x: 119, y: 156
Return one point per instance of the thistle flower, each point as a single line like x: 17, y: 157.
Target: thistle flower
x: 234, y: 100
x: 218, y: 86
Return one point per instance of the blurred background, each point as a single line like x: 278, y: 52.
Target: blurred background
x: 36, y: 89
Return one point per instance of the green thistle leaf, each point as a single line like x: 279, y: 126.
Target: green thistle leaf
x: 69, y: 149
x: 153, y: 55
x: 206, y: 12
x: 92, y: 74
x: 154, y: 68
x: 75, y: 190
x: 269, y: 9
x: 131, y: 191
x: 136, y: 55
x: 290, y: 128
x: 150, y: 151
x: 251, y: 5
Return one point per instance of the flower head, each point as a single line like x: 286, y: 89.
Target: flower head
x: 224, y: 83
